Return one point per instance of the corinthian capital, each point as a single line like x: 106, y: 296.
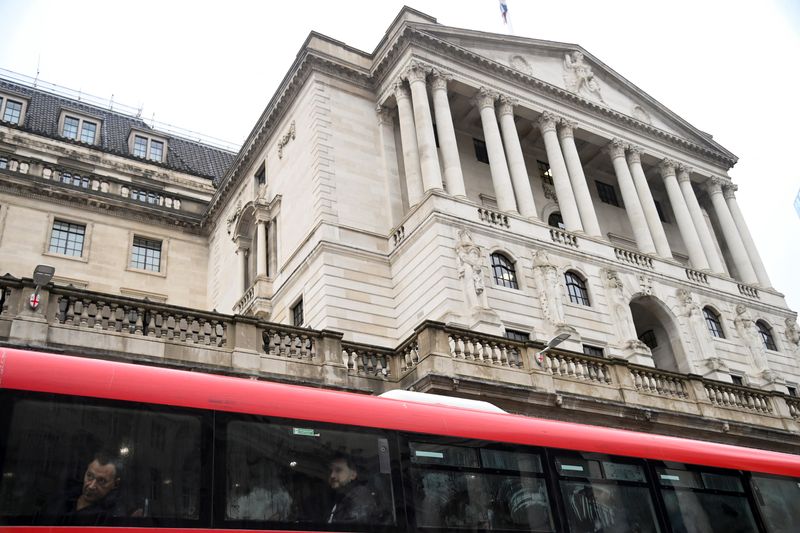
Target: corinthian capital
x: 715, y: 185
x: 566, y: 128
x: 506, y: 105
x: 416, y: 72
x: 667, y: 167
x: 635, y: 154
x: 547, y: 121
x: 485, y: 98
x: 401, y: 91
x: 439, y: 79
x: 729, y: 191
x: 616, y: 148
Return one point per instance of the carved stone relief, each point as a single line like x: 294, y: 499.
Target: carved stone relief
x: 639, y: 113
x: 470, y: 271
x: 283, y: 141
x: 792, y: 333
x: 645, y: 285
x: 619, y: 306
x: 700, y: 337
x: 519, y: 63
x: 746, y: 328
x: 549, y: 192
x: 579, y: 78
x: 551, y: 290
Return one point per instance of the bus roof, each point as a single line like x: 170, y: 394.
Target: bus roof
x: 80, y: 376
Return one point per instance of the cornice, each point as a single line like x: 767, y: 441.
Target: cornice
x: 420, y: 37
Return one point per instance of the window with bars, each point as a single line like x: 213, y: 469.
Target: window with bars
x: 480, y: 151
x: 592, y: 350
x: 607, y: 193
x: 67, y: 238
x: 515, y: 335
x: 146, y: 254
x: 713, y: 322
x: 576, y: 288
x: 544, y: 172
x: 766, y: 335
x: 297, y: 313
x: 504, y: 271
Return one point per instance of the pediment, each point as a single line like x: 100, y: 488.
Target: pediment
x: 575, y: 70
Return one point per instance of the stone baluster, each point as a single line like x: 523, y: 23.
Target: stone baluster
x: 453, y: 177
x: 516, y: 162
x: 501, y: 178
x: 634, y: 156
x: 731, y: 233
x: 566, y: 137
x: 633, y: 208
x: 558, y: 167
x: 715, y: 262
x: 408, y: 137
x: 691, y: 240
x: 729, y: 193
x: 426, y: 141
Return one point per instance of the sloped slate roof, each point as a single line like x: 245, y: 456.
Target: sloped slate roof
x: 183, y: 155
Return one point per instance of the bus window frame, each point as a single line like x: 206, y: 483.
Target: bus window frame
x: 9, y: 397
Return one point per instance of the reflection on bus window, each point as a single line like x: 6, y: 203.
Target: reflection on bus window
x: 282, y: 473
x: 92, y: 464
x: 607, y: 496
x: 466, y: 488
x: 777, y: 498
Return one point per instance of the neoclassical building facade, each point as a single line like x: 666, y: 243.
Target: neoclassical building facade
x: 426, y: 216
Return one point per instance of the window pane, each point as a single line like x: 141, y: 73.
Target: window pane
x: 576, y: 288
x: 777, y: 498
x: 480, y: 151
x: 70, y: 128
x: 13, y: 112
x: 88, y: 132
x: 504, y: 272
x: 67, y: 238
x: 146, y: 254
x: 307, y: 475
x: 596, y: 506
x: 139, y: 146
x: 700, y: 512
x: 130, y: 464
x: 156, y: 150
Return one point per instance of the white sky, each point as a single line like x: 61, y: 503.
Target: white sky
x: 730, y: 68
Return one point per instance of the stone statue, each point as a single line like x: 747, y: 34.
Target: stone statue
x: 620, y: 310
x: 579, y: 78
x: 746, y: 329
x: 704, y: 347
x: 551, y: 288
x: 470, y: 270
x: 792, y: 332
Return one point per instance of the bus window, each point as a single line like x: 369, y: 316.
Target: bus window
x: 305, y: 473
x: 702, y: 501
x: 77, y: 461
x: 463, y: 487
x: 605, y: 494
x: 777, y: 498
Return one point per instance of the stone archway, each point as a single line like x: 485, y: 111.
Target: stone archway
x: 657, y: 327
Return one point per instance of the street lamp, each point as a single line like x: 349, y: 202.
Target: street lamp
x: 555, y: 341
x: 42, y: 275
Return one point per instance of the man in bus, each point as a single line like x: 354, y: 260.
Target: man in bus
x: 354, y: 502
x: 95, y: 500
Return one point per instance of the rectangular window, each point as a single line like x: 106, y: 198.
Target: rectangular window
x: 13, y: 112
x: 544, y: 172
x: 607, y: 193
x: 297, y: 313
x: 737, y: 380
x: 480, y: 151
x: 261, y: 175
x: 67, y: 238
x: 660, y: 211
x: 792, y: 390
x: 517, y: 335
x: 88, y: 132
x: 156, y: 150
x: 140, y: 146
x: 146, y: 254
x: 592, y: 350
x: 70, y: 129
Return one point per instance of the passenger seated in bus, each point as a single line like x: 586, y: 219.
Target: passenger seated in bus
x: 95, y: 500
x: 354, y: 502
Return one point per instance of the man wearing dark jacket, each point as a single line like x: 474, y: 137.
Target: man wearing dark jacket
x: 93, y: 502
x: 354, y: 502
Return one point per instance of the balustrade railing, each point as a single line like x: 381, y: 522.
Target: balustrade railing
x: 292, y: 343
x: 794, y: 407
x: 493, y: 217
x: 471, y: 347
x: 747, y: 290
x: 576, y: 367
x: 696, y: 276
x: 633, y: 258
x: 398, y: 235
x: 659, y: 383
x: 563, y: 237
x: 739, y: 397
x: 409, y: 354
x: 367, y: 360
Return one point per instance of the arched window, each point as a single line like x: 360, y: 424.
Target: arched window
x: 576, y: 288
x: 713, y: 322
x: 766, y: 335
x: 556, y: 220
x: 503, y: 270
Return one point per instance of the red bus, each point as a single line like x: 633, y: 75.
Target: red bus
x: 125, y: 447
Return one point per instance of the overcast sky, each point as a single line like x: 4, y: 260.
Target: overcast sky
x: 730, y: 68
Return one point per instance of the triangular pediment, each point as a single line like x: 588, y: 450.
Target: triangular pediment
x: 575, y: 70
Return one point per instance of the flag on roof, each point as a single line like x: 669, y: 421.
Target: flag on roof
x: 504, y: 10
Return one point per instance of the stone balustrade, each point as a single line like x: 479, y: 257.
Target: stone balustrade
x: 14, y: 163
x: 633, y: 258
x: 89, y: 323
x: 747, y: 290
x: 564, y: 238
x: 493, y: 217
x: 398, y: 235
x: 696, y: 276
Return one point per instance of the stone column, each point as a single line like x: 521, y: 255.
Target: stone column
x: 272, y: 248
x: 731, y: 233
x: 453, y: 177
x: 408, y: 137
x: 749, y: 244
x: 501, y: 179
x: 648, y: 205
x: 706, y: 240
x: 241, y: 251
x: 566, y: 198
x: 388, y: 144
x: 261, y: 248
x: 426, y: 141
x: 697, y: 257
x: 644, y: 241
x: 566, y: 136
x: 516, y: 163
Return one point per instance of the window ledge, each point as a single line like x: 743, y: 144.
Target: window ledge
x: 79, y: 258
x: 160, y: 274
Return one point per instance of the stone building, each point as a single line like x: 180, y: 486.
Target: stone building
x: 426, y: 216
